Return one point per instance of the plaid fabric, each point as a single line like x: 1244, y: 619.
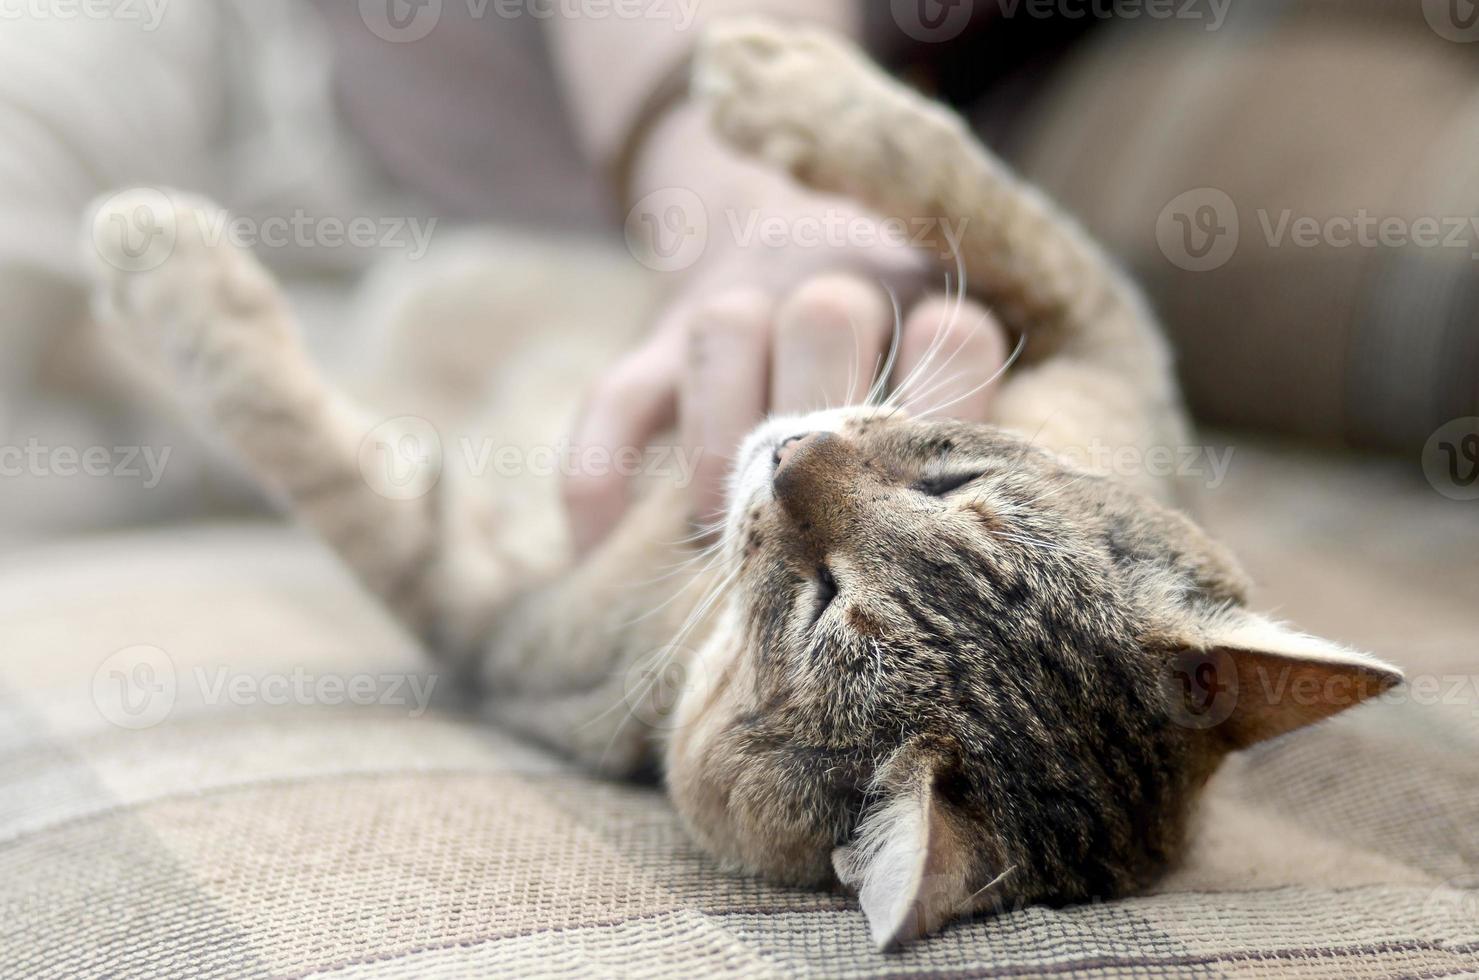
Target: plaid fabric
x: 249, y: 830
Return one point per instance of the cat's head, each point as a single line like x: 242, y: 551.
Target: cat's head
x: 957, y: 673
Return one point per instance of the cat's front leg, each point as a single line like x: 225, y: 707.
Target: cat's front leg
x: 594, y: 660
x: 208, y: 317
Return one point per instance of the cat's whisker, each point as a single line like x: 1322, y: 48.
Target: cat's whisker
x: 713, y: 560
x: 937, y: 371
x: 914, y: 399
x: 1031, y: 542
x: 700, y: 611
x: 701, y: 532
x: 667, y: 654
x: 880, y: 383
x: 664, y: 656
x: 875, y: 398
x: 990, y: 884
x: 1055, y: 491
x: 854, y: 366
x: 677, y: 568
x: 903, y: 386
x: 668, y: 568
x: 707, y: 551
x: 697, y: 556
x: 933, y: 384
x: 955, y: 299
x: 1011, y: 359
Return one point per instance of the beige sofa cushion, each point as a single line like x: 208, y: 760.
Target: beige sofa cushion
x: 1328, y: 150
x: 219, y: 822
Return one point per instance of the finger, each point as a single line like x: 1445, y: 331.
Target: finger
x: 950, y: 350
x: 722, y: 394
x: 830, y: 333
x: 633, y: 402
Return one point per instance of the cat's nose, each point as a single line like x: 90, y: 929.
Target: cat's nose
x: 788, y: 449
x: 815, y: 476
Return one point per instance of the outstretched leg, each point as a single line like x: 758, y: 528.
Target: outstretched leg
x: 208, y: 316
x: 581, y: 662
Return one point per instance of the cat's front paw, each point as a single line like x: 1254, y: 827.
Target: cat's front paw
x: 777, y: 90
x: 168, y: 279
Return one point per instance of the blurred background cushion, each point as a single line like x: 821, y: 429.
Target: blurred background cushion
x: 1212, y: 163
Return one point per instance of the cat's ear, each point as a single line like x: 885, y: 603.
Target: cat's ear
x: 1245, y: 678
x: 908, y: 863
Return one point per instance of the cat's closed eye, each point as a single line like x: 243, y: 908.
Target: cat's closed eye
x: 826, y: 591
x: 946, y: 483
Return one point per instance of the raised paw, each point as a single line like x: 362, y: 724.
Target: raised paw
x: 782, y: 91
x: 169, y: 281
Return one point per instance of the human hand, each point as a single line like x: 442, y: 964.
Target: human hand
x: 754, y: 330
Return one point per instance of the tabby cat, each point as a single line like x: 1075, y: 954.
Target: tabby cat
x: 938, y: 662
